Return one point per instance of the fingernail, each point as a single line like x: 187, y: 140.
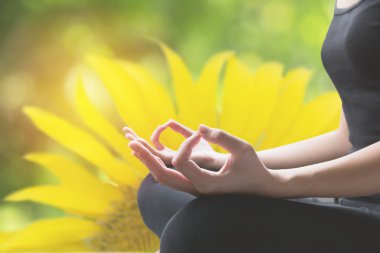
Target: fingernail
x: 203, y: 129
x: 129, y: 137
x: 135, y: 154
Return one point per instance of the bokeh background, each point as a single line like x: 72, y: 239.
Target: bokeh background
x: 43, y: 41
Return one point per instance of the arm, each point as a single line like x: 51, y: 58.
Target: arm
x: 318, y: 149
x: 353, y: 175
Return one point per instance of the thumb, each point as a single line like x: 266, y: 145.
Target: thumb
x: 231, y: 143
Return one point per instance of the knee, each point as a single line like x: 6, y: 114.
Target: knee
x: 203, y: 225
x: 158, y: 203
x: 144, y: 195
x: 146, y: 183
x: 184, y: 231
x: 143, y: 191
x: 218, y: 223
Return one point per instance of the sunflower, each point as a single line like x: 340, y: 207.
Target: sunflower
x: 264, y: 107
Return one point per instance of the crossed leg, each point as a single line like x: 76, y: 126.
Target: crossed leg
x: 247, y: 223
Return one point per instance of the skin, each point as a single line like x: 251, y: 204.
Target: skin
x: 316, y: 167
x: 243, y: 170
x: 346, y: 3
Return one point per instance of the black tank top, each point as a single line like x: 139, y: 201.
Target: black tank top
x: 351, y: 57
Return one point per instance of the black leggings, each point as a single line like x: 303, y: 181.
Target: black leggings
x: 246, y: 223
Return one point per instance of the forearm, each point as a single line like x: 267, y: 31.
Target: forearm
x: 353, y: 175
x: 318, y: 149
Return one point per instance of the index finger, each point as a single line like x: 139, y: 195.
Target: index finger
x: 164, y: 175
x: 198, y: 176
x: 175, y: 126
x: 227, y: 141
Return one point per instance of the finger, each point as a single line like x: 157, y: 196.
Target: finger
x: 155, y: 138
x: 130, y: 137
x: 179, y: 128
x: 198, y: 176
x: 129, y: 130
x: 229, y: 142
x: 169, y: 177
x: 174, y: 125
x: 186, y: 147
x: 148, y: 146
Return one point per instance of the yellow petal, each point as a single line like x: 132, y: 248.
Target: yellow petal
x: 65, y: 198
x: 237, y: 96
x: 190, y: 98
x: 289, y: 104
x: 84, y: 145
x: 125, y: 93
x: 196, y: 103
x: 156, y: 96
x: 267, y: 84
x: 4, y: 236
x: 68, y: 247
x: 182, y: 80
x: 79, y: 246
x: 103, y: 128
x: 319, y: 116
x: 203, y: 108
x: 49, y: 234
x: 73, y: 175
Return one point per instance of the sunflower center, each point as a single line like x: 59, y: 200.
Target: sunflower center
x: 124, y: 229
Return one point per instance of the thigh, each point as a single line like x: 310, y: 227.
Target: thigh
x: 245, y: 223
x: 158, y: 203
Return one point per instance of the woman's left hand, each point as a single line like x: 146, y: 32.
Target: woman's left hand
x: 243, y: 172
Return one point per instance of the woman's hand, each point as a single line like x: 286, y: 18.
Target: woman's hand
x: 243, y: 172
x: 204, y: 155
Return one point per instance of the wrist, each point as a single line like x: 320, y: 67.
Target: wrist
x: 283, y: 183
x: 287, y: 183
x: 276, y: 185
x: 263, y: 156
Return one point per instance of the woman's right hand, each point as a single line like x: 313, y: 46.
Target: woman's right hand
x: 203, y: 153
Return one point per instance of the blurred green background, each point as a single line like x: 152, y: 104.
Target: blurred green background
x: 42, y: 40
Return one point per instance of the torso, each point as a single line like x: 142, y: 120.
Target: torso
x: 351, y: 56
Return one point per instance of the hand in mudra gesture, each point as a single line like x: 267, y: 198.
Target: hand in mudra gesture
x: 203, y: 154
x: 242, y: 172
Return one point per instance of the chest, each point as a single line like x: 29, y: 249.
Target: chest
x: 352, y: 42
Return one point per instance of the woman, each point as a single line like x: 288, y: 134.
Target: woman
x: 270, y: 200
